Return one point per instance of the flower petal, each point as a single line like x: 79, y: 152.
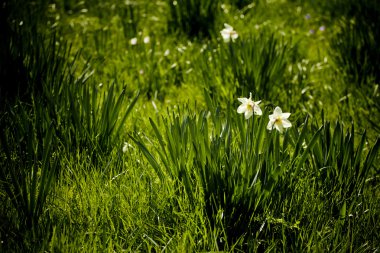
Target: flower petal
x: 285, y: 115
x: 133, y: 41
x: 277, y: 111
x: 225, y: 32
x: 243, y: 100
x: 226, y: 35
x: 258, y: 102
x: 228, y: 27
x: 279, y: 127
x: 270, y: 125
x: 242, y: 108
x: 226, y: 39
x: 248, y: 114
x: 286, y: 123
x: 257, y: 110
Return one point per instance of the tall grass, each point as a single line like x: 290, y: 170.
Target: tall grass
x: 16, y: 19
x: 62, y: 114
x: 108, y: 145
x: 244, y: 171
x: 30, y: 166
x: 258, y: 63
x: 255, y: 63
x: 194, y: 18
x: 356, y: 54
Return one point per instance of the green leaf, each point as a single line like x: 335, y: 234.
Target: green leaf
x: 301, y: 138
x: 153, y: 162
x: 308, y: 149
x: 342, y: 212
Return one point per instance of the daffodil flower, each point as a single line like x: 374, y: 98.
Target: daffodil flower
x: 228, y: 33
x: 249, y: 107
x: 279, y: 120
x: 133, y: 41
x: 127, y: 146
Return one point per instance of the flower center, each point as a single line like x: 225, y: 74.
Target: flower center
x: 250, y: 106
x: 278, y: 120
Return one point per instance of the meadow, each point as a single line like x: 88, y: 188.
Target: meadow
x: 189, y: 126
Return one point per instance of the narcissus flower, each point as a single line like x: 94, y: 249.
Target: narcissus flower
x: 127, y: 146
x: 279, y: 120
x: 249, y: 107
x: 133, y: 41
x: 228, y: 33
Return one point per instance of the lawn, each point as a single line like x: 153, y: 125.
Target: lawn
x: 189, y: 126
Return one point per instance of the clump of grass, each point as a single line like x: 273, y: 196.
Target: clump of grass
x: 195, y: 18
x: 255, y: 63
x: 129, y: 15
x: 197, y: 178
x: 242, y: 168
x: 258, y: 63
x: 62, y: 115
x: 354, y: 41
x: 356, y: 55
x: 29, y: 164
x: 154, y: 72
x: 355, y: 51
x: 242, y: 3
x: 20, y: 23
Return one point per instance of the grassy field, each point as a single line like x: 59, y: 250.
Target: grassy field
x: 189, y: 126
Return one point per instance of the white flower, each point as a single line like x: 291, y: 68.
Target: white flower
x: 154, y: 106
x: 126, y: 147
x: 228, y: 33
x: 146, y: 40
x: 167, y: 52
x: 279, y: 120
x: 133, y: 41
x: 248, y: 107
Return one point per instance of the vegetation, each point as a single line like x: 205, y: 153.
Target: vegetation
x: 121, y: 130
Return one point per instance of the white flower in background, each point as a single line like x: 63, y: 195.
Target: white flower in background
x: 279, y: 120
x: 167, y: 52
x: 133, y: 41
x: 249, y: 107
x: 146, y: 40
x: 126, y: 147
x: 154, y: 106
x: 228, y: 33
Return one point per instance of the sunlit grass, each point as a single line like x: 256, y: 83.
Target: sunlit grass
x: 135, y: 126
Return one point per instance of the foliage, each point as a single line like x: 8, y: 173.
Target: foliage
x: 195, y: 18
x: 120, y: 129
x: 30, y: 165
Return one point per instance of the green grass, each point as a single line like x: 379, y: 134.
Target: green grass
x: 110, y: 146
